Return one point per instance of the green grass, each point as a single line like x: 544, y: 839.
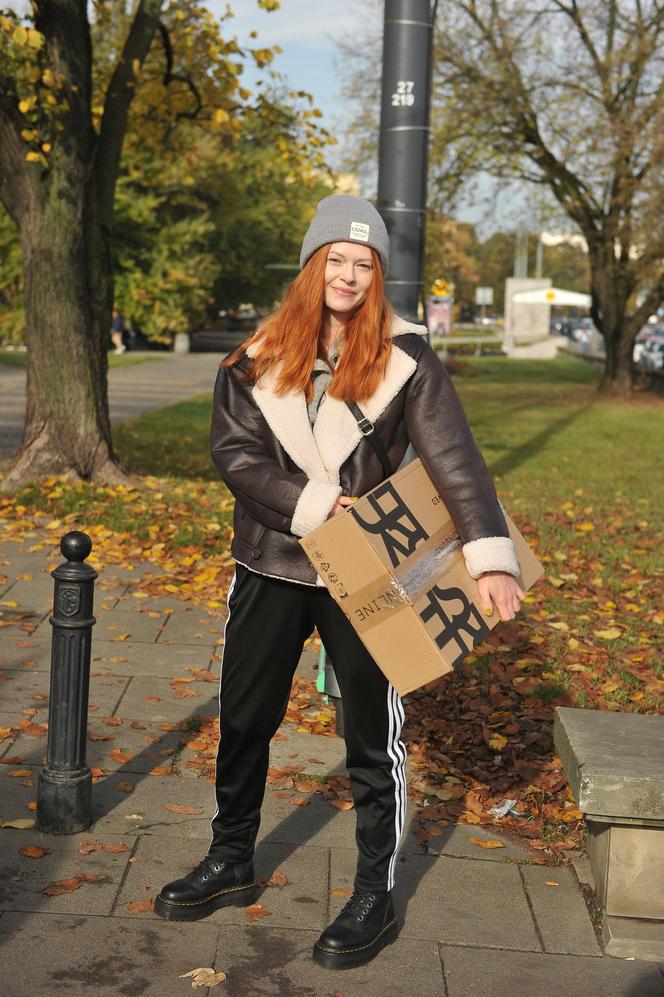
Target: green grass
x: 8, y: 358
x: 130, y: 359
x: 11, y: 358
x: 171, y: 442
x: 549, y: 438
x: 549, y: 692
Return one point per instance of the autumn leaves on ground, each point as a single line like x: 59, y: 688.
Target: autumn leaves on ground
x: 583, y: 479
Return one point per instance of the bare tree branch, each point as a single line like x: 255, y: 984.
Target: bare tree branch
x: 119, y: 96
x: 171, y: 77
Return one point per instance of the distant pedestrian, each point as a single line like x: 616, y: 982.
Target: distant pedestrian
x: 286, y: 441
x: 117, y: 331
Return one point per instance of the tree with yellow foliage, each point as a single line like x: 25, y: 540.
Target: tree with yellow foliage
x: 70, y: 90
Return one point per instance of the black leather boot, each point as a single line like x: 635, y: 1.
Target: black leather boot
x: 365, y: 926
x: 211, y: 885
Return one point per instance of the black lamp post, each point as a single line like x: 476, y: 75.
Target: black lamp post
x: 404, y: 139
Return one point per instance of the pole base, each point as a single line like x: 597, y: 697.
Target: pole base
x: 64, y: 801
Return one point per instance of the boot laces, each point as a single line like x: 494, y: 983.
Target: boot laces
x: 207, y: 867
x: 359, y: 905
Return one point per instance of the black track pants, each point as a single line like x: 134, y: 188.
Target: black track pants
x: 268, y: 622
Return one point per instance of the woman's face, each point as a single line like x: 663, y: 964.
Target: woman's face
x: 348, y: 275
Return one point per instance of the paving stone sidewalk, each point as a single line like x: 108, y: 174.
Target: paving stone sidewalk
x: 475, y: 923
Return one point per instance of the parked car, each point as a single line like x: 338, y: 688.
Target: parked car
x: 567, y: 326
x: 649, y: 332
x: 652, y: 357
x: 583, y: 332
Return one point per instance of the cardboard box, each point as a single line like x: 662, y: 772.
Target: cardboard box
x: 393, y: 563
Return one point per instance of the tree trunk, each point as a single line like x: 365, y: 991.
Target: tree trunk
x: 67, y: 429
x: 617, y: 378
x: 611, y: 289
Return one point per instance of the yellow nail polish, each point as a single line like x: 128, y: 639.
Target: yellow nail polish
x: 488, y: 612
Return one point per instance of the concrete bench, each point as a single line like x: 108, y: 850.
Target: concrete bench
x: 614, y: 763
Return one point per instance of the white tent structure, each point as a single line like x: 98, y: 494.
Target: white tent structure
x: 552, y: 296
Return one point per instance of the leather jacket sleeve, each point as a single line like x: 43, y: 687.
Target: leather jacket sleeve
x: 438, y: 429
x: 268, y: 492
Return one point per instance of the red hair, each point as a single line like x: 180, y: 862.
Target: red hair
x: 289, y: 337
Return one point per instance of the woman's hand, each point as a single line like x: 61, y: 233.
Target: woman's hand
x: 501, y: 590
x: 340, y: 505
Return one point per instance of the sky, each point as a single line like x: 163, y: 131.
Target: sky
x: 306, y: 31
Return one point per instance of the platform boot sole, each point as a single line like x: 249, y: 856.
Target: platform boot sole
x: 236, y: 896
x: 357, y: 956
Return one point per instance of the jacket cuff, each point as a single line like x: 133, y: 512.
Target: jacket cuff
x: 490, y: 554
x: 313, y: 506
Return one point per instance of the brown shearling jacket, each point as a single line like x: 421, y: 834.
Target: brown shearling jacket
x: 286, y: 477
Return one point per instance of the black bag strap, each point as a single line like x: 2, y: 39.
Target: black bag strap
x: 368, y: 430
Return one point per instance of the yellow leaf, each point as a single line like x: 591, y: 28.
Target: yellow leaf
x: 551, y: 882
x: 497, y: 742
x: 19, y: 773
x: 27, y: 104
x: 559, y: 625
x: 525, y: 662
x: 611, y: 634
x: 221, y: 116
x: 20, y: 823
x: 611, y: 686
x: 35, y: 38
x: 204, y: 977
x: 20, y: 35
x: 586, y: 527
x: 120, y: 637
x: 556, y: 582
x: 491, y: 843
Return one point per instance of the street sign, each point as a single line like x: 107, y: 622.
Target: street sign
x: 483, y: 295
x: 440, y: 288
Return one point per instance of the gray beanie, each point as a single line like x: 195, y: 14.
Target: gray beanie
x: 344, y: 218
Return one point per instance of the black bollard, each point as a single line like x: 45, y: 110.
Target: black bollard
x: 64, y: 788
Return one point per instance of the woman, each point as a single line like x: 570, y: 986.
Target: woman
x: 290, y: 450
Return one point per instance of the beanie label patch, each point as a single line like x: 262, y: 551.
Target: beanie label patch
x: 359, y: 231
